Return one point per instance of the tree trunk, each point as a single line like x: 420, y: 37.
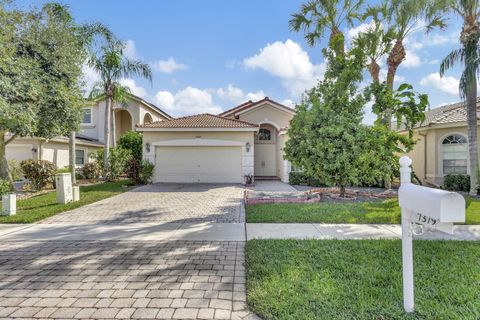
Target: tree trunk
x: 4, y: 172
x: 395, y: 58
x: 336, y: 42
x: 71, y: 156
x: 374, y: 70
x: 114, y: 128
x: 342, y: 192
x: 106, y: 149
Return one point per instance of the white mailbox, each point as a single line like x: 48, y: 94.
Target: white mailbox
x: 429, y: 208
x: 63, y: 182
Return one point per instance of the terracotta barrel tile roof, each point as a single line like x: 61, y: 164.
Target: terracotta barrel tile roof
x: 250, y: 104
x: 204, y: 120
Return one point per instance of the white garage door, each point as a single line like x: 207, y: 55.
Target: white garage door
x: 198, y: 164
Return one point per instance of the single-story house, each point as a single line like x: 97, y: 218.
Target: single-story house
x: 442, y: 146
x: 90, y: 138
x: 247, y: 140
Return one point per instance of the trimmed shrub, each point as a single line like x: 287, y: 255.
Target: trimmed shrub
x: 39, y: 172
x: 457, y: 182
x: 141, y: 172
x: 91, y: 171
x: 15, y: 170
x: 302, y: 179
x: 119, y: 162
x: 132, y: 141
x: 4, y: 187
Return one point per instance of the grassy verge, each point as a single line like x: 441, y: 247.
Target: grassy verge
x: 360, y: 212
x: 43, y: 206
x: 361, y: 279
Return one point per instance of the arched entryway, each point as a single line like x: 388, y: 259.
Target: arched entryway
x: 147, y: 118
x: 123, y: 123
x: 265, y: 151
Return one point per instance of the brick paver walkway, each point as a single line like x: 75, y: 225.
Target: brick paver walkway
x: 126, y: 279
x: 162, y: 203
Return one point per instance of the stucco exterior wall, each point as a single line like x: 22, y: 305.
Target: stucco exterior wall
x: 427, y: 154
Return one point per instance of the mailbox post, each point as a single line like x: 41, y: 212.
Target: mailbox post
x: 426, y: 208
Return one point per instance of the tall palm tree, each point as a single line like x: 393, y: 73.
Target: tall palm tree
x: 112, y: 65
x: 469, y: 56
x: 316, y: 17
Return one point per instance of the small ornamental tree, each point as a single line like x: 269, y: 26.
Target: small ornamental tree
x: 327, y: 139
x: 132, y: 141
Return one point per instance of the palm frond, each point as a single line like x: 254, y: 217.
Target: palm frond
x: 457, y: 55
x: 137, y: 68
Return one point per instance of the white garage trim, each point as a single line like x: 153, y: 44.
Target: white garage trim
x: 198, y: 142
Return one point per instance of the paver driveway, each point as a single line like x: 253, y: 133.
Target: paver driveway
x: 161, y: 203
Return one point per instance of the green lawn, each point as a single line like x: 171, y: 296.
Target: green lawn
x: 43, y: 206
x: 326, y: 212
x: 361, y: 279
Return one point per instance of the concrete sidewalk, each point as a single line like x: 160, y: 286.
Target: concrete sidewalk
x: 207, y: 231
x: 349, y: 231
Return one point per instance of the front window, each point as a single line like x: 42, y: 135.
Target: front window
x: 79, y: 157
x: 454, y: 150
x: 264, y: 135
x: 87, y: 116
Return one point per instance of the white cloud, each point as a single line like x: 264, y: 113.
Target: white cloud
x: 130, y: 50
x: 237, y: 95
x: 136, y: 90
x: 368, y: 116
x: 445, y: 84
x: 288, y: 61
x: 412, y: 60
x: 169, y: 65
x: 187, y: 101
x: 90, y: 76
x: 353, y: 32
x: 434, y: 61
x: 288, y: 103
x: 398, y: 78
x: 439, y: 39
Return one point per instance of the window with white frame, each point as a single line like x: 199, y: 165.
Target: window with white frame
x: 79, y: 157
x: 454, y: 152
x: 87, y: 116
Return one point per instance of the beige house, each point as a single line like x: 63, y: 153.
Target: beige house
x: 442, y: 147
x: 91, y: 136
x: 246, y: 140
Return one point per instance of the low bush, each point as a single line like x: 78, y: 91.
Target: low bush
x: 301, y: 178
x: 4, y: 187
x: 39, y: 172
x: 141, y: 171
x: 132, y: 141
x: 91, y: 171
x: 119, y: 162
x: 15, y: 170
x: 457, y: 182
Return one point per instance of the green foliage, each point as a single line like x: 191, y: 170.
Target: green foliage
x: 407, y: 106
x: 118, y: 162
x: 132, y: 141
x: 4, y: 187
x: 39, y: 172
x: 141, y: 171
x: 91, y: 171
x: 457, y: 182
x: 301, y: 178
x: 15, y: 169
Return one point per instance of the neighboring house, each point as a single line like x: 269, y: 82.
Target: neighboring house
x: 442, y: 146
x: 91, y: 136
x: 224, y: 148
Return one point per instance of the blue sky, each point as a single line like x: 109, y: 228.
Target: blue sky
x: 211, y: 55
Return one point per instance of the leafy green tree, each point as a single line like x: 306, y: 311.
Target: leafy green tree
x: 469, y: 56
x: 41, y: 60
x: 132, y: 141
x: 326, y: 137
x: 112, y: 65
x: 317, y: 17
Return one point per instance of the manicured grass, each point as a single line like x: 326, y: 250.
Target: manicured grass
x: 324, y: 212
x: 361, y: 279
x: 43, y: 206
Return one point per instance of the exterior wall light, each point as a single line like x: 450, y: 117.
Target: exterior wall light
x: 147, y: 146
x: 247, y: 146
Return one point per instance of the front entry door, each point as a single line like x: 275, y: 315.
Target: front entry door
x: 265, y: 160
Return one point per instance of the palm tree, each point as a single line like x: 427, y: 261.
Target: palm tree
x: 317, y: 17
x: 469, y: 56
x: 111, y: 64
